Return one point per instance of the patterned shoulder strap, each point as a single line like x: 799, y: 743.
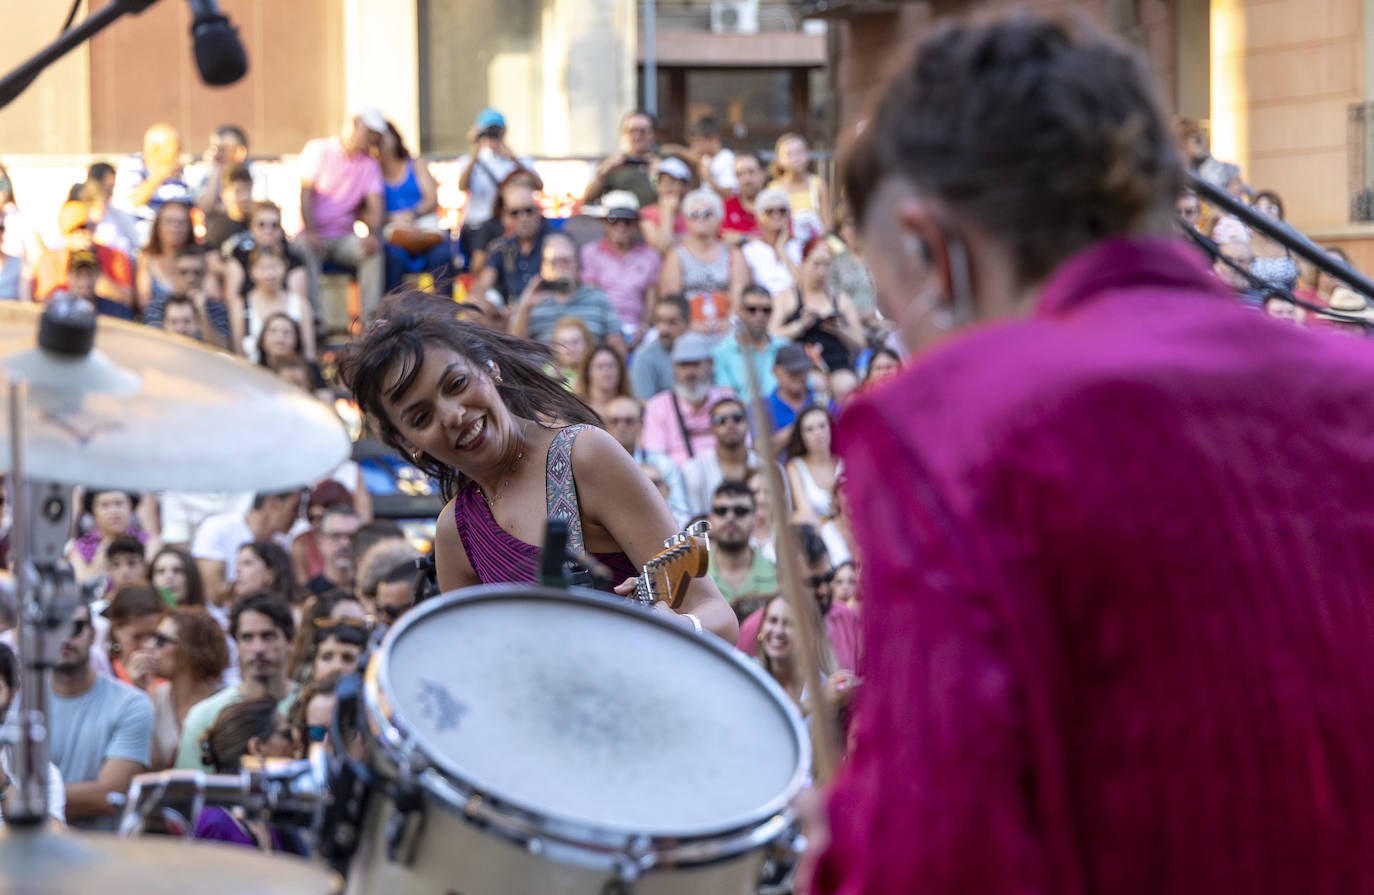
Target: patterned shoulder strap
x: 560, y: 491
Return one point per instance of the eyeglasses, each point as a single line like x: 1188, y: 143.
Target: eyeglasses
x: 701, y: 214
x: 520, y: 212
x: 721, y: 419
x: 389, y: 614
x: 756, y: 309
x: 773, y: 211
x: 161, y: 640
x: 737, y: 511
x: 315, y: 733
x: 816, y: 581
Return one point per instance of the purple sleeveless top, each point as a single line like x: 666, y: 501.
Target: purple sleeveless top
x: 499, y: 557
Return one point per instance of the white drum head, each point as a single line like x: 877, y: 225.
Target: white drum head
x: 577, y: 708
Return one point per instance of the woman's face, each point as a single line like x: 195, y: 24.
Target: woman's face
x: 603, y: 375
x: 794, y: 156
x: 760, y: 492
x: 884, y: 366
x: 773, y: 220
x: 775, y: 635
x: 333, y: 655
x: 175, y: 227
x: 135, y: 634
x: 112, y: 511
x: 388, y: 145
x: 252, y: 573
x: 845, y: 586
x: 170, y: 575
x: 815, y: 433
x: 1267, y: 206
x: 166, y: 648
x: 702, y: 220
x: 816, y: 267
x: 453, y: 413
x: 671, y: 186
x: 281, y: 744
x: 269, y: 271
x: 570, y: 347
x: 279, y: 338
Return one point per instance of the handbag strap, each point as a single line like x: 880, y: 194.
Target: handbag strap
x: 682, y: 424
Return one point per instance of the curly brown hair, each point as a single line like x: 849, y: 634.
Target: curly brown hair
x: 1041, y: 130
x: 201, y: 642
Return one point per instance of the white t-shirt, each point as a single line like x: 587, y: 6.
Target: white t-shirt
x: 722, y: 167
x: 767, y: 268
x: 219, y: 538
x: 483, y: 183
x: 183, y: 512
x: 57, y: 794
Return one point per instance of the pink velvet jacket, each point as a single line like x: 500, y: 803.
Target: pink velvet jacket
x: 1119, y: 585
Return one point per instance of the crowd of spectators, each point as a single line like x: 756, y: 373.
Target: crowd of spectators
x: 719, y: 311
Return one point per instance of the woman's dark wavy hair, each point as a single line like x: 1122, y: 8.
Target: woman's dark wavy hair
x: 195, y: 585
x: 1044, y: 131
x: 386, y: 361
x: 278, y: 562
x: 796, y: 445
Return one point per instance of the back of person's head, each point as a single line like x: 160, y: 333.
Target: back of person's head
x: 233, y: 132
x: 274, y: 606
x: 124, y: 545
x: 707, y: 127
x: 9, y: 669
x: 387, y: 562
x: 129, y: 603
x: 812, y: 545
x: 200, y: 642
x: 1043, y: 132
x: 228, y: 739
x: 369, y: 534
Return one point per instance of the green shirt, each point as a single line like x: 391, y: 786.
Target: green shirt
x: 204, y: 714
x: 762, y: 578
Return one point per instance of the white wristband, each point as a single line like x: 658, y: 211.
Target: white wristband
x: 696, y: 622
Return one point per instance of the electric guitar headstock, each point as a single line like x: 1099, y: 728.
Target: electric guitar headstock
x: 686, y: 555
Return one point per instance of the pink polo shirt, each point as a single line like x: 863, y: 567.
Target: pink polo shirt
x: 341, y: 181
x: 624, y: 278
x: 663, y: 433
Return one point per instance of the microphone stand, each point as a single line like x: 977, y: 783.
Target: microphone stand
x: 1282, y: 233
x: 17, y: 81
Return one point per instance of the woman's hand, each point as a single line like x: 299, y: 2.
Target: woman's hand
x: 140, y: 668
x: 840, y: 687
x: 627, y: 587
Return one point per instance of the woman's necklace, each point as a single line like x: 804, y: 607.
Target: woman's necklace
x: 511, y: 469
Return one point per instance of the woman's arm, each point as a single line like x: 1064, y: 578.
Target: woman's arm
x: 307, y: 329
x: 429, y: 191
x: 823, y: 202
x: 143, y: 282
x: 617, y: 498
x: 739, y: 276
x: 451, y: 564
x: 670, y: 276
x: 802, y: 511
x: 849, y: 328
x: 233, y: 304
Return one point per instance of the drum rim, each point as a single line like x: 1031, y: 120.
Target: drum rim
x: 398, y: 740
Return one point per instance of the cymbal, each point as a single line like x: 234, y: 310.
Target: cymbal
x: 146, y: 410
x: 34, y: 862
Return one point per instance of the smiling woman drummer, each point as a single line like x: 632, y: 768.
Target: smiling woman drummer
x: 510, y: 446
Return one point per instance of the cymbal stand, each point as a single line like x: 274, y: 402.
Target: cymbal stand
x: 47, y: 593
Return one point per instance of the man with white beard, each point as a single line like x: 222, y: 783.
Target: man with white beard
x: 678, y: 422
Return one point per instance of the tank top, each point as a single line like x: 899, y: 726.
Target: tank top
x: 706, y: 286
x: 406, y: 194
x: 833, y: 350
x: 497, y: 556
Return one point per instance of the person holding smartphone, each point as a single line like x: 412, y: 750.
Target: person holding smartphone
x: 485, y: 168
x: 556, y: 292
x: 633, y: 167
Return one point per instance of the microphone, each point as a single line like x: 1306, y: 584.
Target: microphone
x: 219, y: 52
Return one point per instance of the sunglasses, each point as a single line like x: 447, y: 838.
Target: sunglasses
x: 520, y: 212
x: 721, y: 419
x: 773, y: 211
x: 389, y: 614
x: 757, y: 309
x: 161, y: 640
x: 329, y: 624
x: 736, y: 511
x: 816, y: 581
x: 315, y: 733
x: 701, y: 214
x: 79, y: 626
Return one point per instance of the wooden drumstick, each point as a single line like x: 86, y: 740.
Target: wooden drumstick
x: 825, y: 730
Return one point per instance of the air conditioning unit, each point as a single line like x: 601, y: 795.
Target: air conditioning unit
x: 735, y: 17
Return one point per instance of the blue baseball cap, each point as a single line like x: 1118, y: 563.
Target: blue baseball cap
x: 490, y: 118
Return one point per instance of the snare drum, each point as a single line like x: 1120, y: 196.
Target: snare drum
x: 557, y: 741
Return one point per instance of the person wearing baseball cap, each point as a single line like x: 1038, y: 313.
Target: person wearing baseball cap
x: 112, y: 287
x: 622, y: 266
x: 677, y: 422
x: 484, y: 169
x: 341, y: 184
x: 663, y: 222
x: 792, y: 367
